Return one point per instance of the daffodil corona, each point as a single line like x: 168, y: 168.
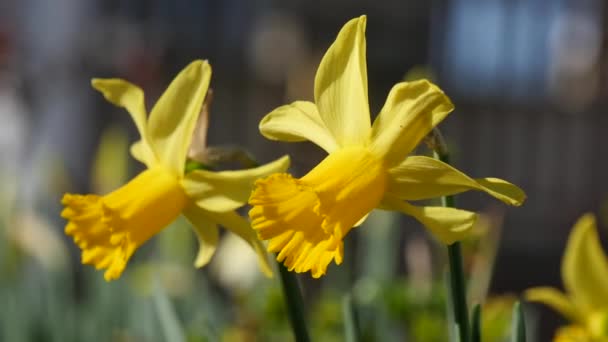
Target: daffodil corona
x: 306, y: 219
x: 110, y: 228
x: 585, y: 277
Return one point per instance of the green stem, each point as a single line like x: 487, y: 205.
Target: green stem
x: 351, y: 323
x: 457, y: 279
x: 476, y: 324
x: 518, y: 324
x: 457, y: 284
x: 295, y: 304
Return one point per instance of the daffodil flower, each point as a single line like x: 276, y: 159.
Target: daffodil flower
x: 110, y: 228
x: 585, y: 277
x: 306, y: 219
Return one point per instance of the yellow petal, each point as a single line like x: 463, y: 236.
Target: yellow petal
x: 123, y: 94
x: 286, y: 213
x: 362, y: 220
x: 111, y: 228
x: 241, y: 227
x: 447, y: 224
x: 574, y: 333
x: 298, y: 121
x: 419, y: 177
x: 130, y: 97
x: 173, y: 118
x: 411, y: 110
x: 555, y: 299
x: 585, y: 267
x: 227, y: 190
x: 341, y: 86
x: 142, y: 153
x: 207, y: 233
x: 306, y: 219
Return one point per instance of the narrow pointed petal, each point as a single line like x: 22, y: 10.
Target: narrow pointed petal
x: 341, y: 86
x: 173, y: 118
x: 574, y: 333
x: 298, y: 121
x: 411, y: 111
x: 227, y: 190
x: 207, y: 233
x: 447, y: 224
x: 585, y: 266
x: 555, y: 299
x: 126, y: 95
x: 419, y: 177
x: 142, y: 153
x: 241, y: 227
x: 130, y: 97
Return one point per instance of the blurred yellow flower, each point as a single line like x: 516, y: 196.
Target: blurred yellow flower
x: 306, y: 219
x: 585, y: 277
x: 110, y: 228
x: 573, y: 333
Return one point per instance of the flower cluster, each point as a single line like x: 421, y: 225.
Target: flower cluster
x: 304, y: 219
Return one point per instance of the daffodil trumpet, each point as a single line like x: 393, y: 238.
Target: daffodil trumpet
x: 110, y: 228
x: 585, y: 277
x: 306, y: 219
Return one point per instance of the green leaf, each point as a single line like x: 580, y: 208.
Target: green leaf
x: 169, y: 323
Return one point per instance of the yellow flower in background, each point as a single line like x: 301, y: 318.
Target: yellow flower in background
x: 110, y: 228
x: 306, y: 219
x: 585, y: 278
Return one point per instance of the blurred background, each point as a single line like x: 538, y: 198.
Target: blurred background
x: 529, y: 80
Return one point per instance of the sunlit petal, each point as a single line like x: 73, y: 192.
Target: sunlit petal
x: 173, y: 118
x: 447, y: 224
x: 411, y: 110
x: 207, y: 233
x: 306, y: 219
x: 123, y: 94
x: 585, y: 266
x: 574, y: 333
x: 142, y: 152
x: 241, y: 227
x: 298, y: 121
x: 419, y: 177
x: 130, y: 97
x: 109, y: 229
x: 555, y: 299
x: 227, y: 190
x: 341, y: 86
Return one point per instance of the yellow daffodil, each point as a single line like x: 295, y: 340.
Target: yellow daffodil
x: 585, y: 277
x: 110, y: 228
x: 306, y: 219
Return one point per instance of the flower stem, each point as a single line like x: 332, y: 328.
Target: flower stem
x: 457, y: 279
x: 518, y: 324
x: 295, y: 305
x: 351, y: 323
x: 476, y: 324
